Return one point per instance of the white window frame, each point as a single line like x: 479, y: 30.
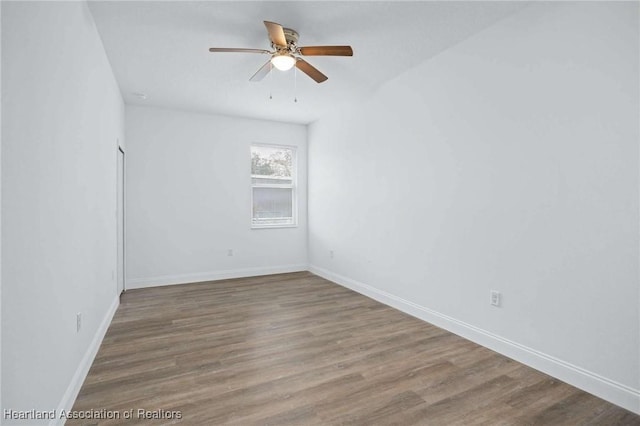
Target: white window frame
x: 292, y: 186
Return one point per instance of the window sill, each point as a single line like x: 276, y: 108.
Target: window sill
x: 290, y: 225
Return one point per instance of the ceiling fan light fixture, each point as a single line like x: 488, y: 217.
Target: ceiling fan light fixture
x: 283, y: 62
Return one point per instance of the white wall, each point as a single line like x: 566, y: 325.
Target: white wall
x: 0, y: 210
x: 509, y: 162
x: 188, y: 198
x: 61, y: 113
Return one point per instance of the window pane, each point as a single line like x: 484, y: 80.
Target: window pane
x: 272, y: 205
x: 270, y: 161
x: 273, y: 185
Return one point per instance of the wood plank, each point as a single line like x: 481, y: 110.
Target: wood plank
x: 298, y: 349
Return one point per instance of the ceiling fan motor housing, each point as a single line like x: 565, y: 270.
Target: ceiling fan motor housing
x: 290, y: 35
x: 292, y: 42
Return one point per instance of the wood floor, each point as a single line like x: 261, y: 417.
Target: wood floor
x: 297, y: 349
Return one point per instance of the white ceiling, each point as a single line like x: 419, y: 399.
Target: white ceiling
x: 160, y: 48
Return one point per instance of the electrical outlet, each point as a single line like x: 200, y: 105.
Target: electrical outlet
x: 230, y: 252
x: 330, y: 254
x: 496, y: 298
x: 78, y: 322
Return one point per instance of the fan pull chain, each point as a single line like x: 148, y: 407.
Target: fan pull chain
x: 295, y: 84
x: 270, y: 81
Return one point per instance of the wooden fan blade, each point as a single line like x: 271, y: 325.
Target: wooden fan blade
x: 276, y: 33
x: 326, y: 51
x: 310, y: 70
x: 262, y: 72
x: 231, y: 49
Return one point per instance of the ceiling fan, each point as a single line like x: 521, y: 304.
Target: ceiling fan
x: 284, y: 42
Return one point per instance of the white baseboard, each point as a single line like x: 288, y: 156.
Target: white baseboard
x: 607, y: 389
x: 212, y: 276
x: 73, y: 389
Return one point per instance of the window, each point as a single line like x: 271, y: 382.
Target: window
x: 273, y: 186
